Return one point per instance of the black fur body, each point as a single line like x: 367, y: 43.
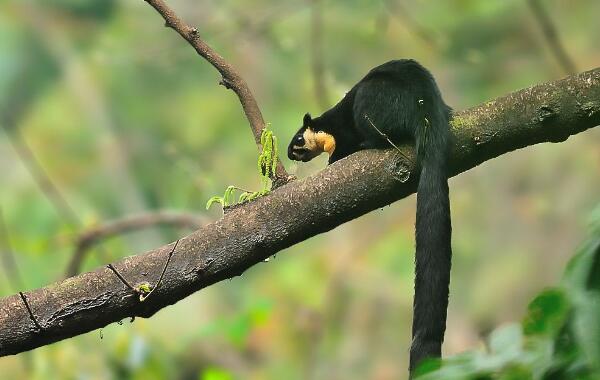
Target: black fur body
x: 401, y: 100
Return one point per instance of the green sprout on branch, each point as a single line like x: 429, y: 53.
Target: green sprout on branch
x: 267, y: 162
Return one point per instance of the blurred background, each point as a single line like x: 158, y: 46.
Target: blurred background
x: 106, y: 114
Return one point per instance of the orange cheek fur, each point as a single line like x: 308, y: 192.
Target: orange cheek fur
x: 319, y: 142
x: 328, y: 144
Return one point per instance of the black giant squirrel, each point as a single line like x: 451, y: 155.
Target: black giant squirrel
x: 395, y: 102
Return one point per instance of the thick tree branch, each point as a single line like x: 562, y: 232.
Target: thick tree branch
x: 128, y: 224
x: 231, y: 79
x: 252, y: 232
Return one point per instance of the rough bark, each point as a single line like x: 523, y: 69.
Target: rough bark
x: 250, y: 233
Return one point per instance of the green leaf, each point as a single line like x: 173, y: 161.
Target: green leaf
x: 244, y: 197
x: 261, y: 165
x: 263, y: 136
x: 547, y: 313
x: 427, y: 366
x: 274, y: 155
x: 228, y: 196
x: 215, y: 199
x: 253, y: 196
x: 506, y: 340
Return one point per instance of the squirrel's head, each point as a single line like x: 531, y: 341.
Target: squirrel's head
x: 310, y: 141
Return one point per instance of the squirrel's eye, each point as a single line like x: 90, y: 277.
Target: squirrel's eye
x: 320, y: 132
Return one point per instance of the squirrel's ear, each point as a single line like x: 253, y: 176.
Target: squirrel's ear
x: 307, y: 119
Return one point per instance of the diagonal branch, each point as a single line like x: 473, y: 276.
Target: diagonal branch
x: 252, y: 232
x: 41, y: 176
x: 7, y: 256
x: 317, y: 52
x: 399, y: 11
x: 551, y: 36
x: 231, y: 79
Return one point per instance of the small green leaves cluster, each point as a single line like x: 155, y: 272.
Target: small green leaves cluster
x: 267, y: 163
x: 144, y: 289
x: 225, y: 200
x: 228, y: 198
x: 267, y: 160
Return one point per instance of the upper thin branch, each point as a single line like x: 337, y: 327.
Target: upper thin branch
x: 231, y: 79
x: 399, y: 11
x: 551, y: 37
x: 41, y: 176
x: 316, y: 52
x: 252, y: 232
x: 7, y: 256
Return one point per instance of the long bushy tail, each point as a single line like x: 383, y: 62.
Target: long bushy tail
x: 433, y: 232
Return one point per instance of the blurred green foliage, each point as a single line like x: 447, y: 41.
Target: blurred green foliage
x: 558, y: 339
x: 125, y: 118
